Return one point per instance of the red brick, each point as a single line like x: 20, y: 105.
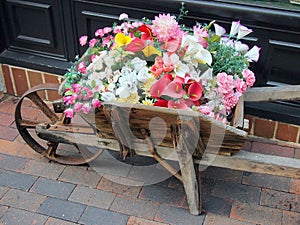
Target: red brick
x: 7, y: 106
x: 132, y: 188
x: 280, y: 200
x: 7, y: 80
x: 9, y: 147
x: 247, y: 146
x: 20, y: 80
x: 255, y: 214
x: 50, y: 78
x: 55, y: 221
x: 8, y: 133
x: 290, y: 218
x: 295, y: 186
x: 297, y: 153
x: 139, y: 221
x: 214, y: 219
x: 6, y: 119
x: 251, y: 120
x: 264, y: 128
x: 287, y: 132
x: 35, y: 78
x: 271, y: 149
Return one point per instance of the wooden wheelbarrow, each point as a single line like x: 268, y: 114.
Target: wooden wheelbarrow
x: 190, y: 138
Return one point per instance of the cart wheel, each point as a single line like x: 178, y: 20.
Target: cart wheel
x: 32, y: 110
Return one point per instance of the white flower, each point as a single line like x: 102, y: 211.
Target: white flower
x: 219, y: 30
x: 127, y: 85
x: 181, y: 69
x: 138, y: 64
x: 243, y: 31
x: 96, y: 65
x: 239, y: 46
x: 123, y: 16
x: 235, y: 25
x: 203, y: 56
x: 108, y: 97
x: 111, y: 86
x: 253, y: 54
x: 143, y: 75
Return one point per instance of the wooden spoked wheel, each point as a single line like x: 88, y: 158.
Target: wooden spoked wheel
x: 31, y: 111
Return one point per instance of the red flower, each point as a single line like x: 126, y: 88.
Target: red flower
x: 174, y: 90
x: 161, y: 103
x: 158, y: 87
x: 195, y: 91
x: 147, y: 32
x: 136, y: 45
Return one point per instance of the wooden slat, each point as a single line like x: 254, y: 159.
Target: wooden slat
x: 260, y: 94
x: 255, y: 162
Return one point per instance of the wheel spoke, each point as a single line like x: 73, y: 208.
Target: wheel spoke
x: 36, y: 99
x: 28, y: 124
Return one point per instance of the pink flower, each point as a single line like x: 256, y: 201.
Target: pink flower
x: 225, y: 82
x: 76, y: 88
x: 86, y: 108
x: 174, y: 90
x: 240, y: 85
x: 69, y: 112
x: 249, y: 76
x: 99, y: 33
x: 107, y: 30
x: 230, y: 100
x: 82, y: 67
x: 204, y: 109
x: 195, y: 91
x: 96, y: 103
x: 181, y: 104
x: 69, y: 100
x: 77, y: 106
x: 93, y: 42
x: 165, y: 27
x: 201, y: 33
x: 83, y: 40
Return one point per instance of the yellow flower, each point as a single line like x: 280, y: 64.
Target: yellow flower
x: 150, y: 50
x: 121, y: 39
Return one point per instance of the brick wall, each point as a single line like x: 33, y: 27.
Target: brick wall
x: 18, y: 80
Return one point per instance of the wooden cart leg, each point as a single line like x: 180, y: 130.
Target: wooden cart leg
x: 183, y: 145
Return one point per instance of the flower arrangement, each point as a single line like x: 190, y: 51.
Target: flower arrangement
x: 162, y: 63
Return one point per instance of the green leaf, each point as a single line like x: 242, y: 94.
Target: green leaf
x: 93, y: 83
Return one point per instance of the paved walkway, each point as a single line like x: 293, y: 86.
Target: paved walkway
x: 35, y: 191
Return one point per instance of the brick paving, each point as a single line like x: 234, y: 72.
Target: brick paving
x: 34, y: 191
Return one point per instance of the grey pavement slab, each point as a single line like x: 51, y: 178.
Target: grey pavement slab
x: 22, y: 200
x: 53, y: 188
x: 177, y: 216
x: 17, y: 216
x: 80, y: 175
x: 55, y: 221
x: 96, y: 216
x: 16, y: 180
x: 43, y: 169
x: 238, y: 192
x: 3, y: 190
x: 62, y: 209
x: 92, y: 197
x: 136, y: 207
x: 163, y: 195
x: 11, y: 162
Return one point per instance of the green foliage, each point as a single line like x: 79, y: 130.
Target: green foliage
x: 227, y: 59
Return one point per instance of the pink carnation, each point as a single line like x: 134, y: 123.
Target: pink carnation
x: 83, y: 40
x: 225, y: 83
x: 76, y: 88
x: 96, y: 103
x: 204, y: 109
x: 69, y: 100
x: 82, y: 67
x: 99, y: 33
x: 69, y: 112
x: 86, y: 108
x: 231, y: 100
x: 93, y: 42
x: 249, y: 76
x: 165, y: 27
x: 77, y: 106
x: 240, y: 85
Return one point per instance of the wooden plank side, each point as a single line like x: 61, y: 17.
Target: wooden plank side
x: 255, y: 162
x: 260, y: 94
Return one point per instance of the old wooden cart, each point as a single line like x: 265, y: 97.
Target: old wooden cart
x: 187, y: 137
